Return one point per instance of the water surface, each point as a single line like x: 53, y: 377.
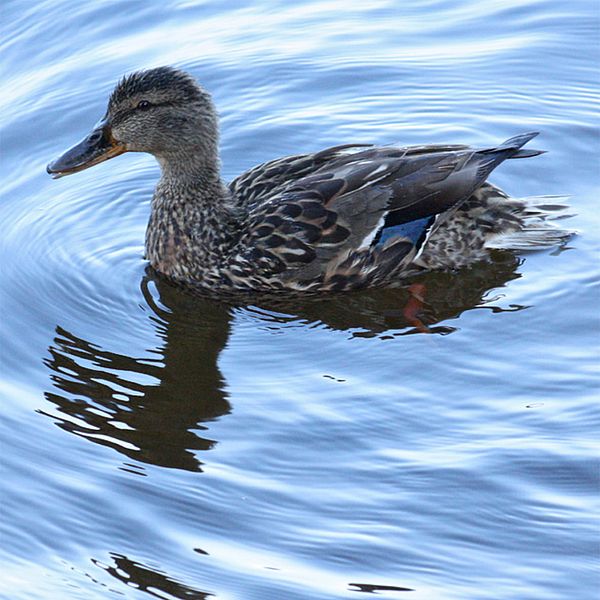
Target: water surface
x: 160, y: 445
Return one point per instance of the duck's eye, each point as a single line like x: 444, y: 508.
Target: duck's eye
x: 143, y: 105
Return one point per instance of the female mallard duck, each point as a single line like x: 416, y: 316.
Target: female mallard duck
x: 348, y: 217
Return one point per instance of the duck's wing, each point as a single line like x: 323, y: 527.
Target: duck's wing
x: 268, y: 179
x: 360, y: 215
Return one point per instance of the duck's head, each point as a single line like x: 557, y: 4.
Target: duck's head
x: 161, y: 111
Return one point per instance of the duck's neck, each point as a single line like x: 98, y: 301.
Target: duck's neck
x: 191, y: 224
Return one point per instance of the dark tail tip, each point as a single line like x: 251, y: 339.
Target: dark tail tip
x: 511, y: 148
x: 528, y: 153
x: 517, y: 141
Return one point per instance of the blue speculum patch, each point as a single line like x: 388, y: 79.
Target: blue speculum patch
x: 413, y: 231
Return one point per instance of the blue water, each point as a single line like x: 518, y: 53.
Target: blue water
x: 159, y: 445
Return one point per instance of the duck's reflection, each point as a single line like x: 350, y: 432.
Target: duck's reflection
x: 153, y: 410
x: 144, y: 578
x: 150, y: 409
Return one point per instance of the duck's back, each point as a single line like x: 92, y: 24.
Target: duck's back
x: 351, y: 216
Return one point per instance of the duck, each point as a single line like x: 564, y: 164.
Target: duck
x: 347, y: 217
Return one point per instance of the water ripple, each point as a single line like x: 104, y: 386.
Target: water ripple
x: 156, y: 443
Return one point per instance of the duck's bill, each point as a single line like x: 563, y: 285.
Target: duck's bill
x: 95, y: 148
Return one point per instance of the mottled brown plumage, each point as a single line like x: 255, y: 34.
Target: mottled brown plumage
x: 347, y: 217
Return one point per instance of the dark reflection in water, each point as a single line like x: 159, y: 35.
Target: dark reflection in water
x: 369, y: 588
x: 148, y: 409
x: 152, y: 410
x: 142, y: 577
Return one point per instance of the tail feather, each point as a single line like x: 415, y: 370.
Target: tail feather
x: 528, y: 153
x: 535, y: 231
x: 549, y: 208
x: 533, y: 237
x: 517, y: 141
x: 512, y: 146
